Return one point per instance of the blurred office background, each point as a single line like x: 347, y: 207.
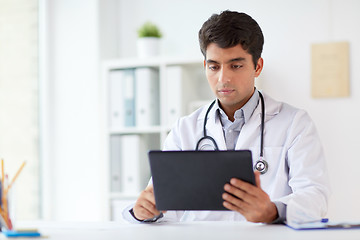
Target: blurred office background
x: 50, y: 76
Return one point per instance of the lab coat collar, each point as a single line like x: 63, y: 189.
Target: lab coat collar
x: 214, y: 127
x: 272, y: 107
x: 247, y: 110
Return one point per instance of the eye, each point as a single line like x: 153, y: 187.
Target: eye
x: 236, y: 66
x: 213, y: 67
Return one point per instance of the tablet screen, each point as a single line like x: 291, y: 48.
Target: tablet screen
x: 194, y: 180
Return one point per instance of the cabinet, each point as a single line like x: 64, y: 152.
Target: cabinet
x: 142, y: 99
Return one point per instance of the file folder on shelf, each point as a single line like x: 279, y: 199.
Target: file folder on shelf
x: 122, y: 98
x: 147, y: 97
x: 116, y: 103
x: 115, y: 163
x: 129, y: 97
x: 173, y: 101
x: 135, y: 170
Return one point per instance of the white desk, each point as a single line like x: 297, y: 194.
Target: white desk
x: 184, y: 231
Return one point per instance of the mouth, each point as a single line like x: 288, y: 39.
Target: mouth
x: 226, y: 91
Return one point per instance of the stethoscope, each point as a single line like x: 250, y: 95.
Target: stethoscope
x: 261, y: 165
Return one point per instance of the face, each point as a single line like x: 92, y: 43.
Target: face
x: 231, y: 75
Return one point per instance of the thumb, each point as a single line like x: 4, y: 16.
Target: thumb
x: 257, y: 178
x: 149, y: 188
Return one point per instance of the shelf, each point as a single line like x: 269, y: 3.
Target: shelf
x: 123, y: 196
x: 137, y: 130
x: 153, y: 62
x: 182, y: 88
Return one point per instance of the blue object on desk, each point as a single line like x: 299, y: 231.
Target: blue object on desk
x: 10, y: 234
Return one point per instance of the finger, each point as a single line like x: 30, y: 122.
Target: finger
x: 235, y: 201
x: 142, y: 213
x: 148, y: 195
x: 144, y: 209
x: 234, y: 191
x: 245, y: 186
x: 232, y: 207
x: 150, y: 207
x: 149, y: 188
x: 257, y: 178
x: 145, y: 206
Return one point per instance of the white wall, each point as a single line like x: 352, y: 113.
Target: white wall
x: 70, y: 99
x: 289, y: 28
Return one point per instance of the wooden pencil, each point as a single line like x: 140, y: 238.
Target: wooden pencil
x: 2, y: 219
x: 2, y: 183
x: 14, y: 178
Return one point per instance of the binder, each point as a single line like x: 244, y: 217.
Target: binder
x: 115, y: 163
x: 147, y: 97
x: 130, y: 163
x: 173, y: 99
x: 122, y: 98
x: 135, y: 171
x: 116, y: 104
x: 129, y: 97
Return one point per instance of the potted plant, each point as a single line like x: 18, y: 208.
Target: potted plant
x: 148, y: 40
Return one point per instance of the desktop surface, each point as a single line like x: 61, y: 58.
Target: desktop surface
x: 182, y: 230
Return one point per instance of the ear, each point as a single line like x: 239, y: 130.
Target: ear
x: 204, y: 63
x: 259, y: 67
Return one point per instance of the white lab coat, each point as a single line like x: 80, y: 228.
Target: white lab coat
x: 297, y: 174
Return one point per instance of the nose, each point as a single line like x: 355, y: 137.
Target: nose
x: 224, y: 76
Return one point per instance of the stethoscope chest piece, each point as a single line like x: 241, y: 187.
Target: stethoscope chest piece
x: 261, y: 166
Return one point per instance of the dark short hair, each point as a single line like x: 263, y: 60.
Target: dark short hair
x: 229, y: 29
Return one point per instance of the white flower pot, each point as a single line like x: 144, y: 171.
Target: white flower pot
x: 148, y: 47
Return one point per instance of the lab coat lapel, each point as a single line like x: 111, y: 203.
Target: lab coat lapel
x: 250, y: 132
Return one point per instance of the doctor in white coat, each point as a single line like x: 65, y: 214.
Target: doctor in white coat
x: 295, y: 186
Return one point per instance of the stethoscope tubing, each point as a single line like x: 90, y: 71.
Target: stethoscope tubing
x: 262, y: 125
x: 204, y: 130
x: 261, y: 165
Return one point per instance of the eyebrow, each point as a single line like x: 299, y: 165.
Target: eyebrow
x: 239, y: 59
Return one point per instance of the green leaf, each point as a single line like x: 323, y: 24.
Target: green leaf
x: 149, y: 30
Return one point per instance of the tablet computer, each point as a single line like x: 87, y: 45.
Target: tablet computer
x: 194, y: 180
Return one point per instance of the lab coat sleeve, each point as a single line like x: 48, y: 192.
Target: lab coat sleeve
x: 127, y: 216
x: 308, y: 177
x: 169, y: 216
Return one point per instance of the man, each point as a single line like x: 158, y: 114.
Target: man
x: 295, y: 187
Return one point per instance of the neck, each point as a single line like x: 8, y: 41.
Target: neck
x: 231, y: 109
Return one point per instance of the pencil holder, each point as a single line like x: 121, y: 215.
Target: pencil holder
x: 5, y: 197
x: 6, y: 216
